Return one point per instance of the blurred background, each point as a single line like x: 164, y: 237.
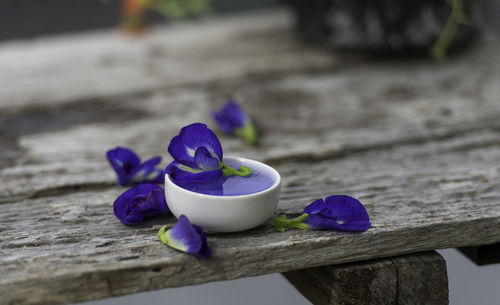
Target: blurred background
x: 26, y: 19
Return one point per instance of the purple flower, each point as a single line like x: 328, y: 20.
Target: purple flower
x: 139, y: 203
x: 232, y: 119
x: 336, y: 212
x: 129, y: 169
x: 197, y: 155
x: 186, y: 237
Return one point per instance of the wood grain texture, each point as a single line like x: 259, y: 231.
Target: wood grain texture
x: 418, y: 143
x: 414, y: 279
x: 419, y: 197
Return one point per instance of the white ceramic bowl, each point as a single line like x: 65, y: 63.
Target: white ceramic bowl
x: 226, y: 213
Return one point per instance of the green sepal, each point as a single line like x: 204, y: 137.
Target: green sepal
x: 243, y: 171
x: 162, y: 236
x: 247, y: 133
x: 281, y: 223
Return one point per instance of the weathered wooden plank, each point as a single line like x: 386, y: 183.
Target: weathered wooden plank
x: 420, y: 196
x: 422, y: 279
x: 413, y: 279
x: 365, y: 107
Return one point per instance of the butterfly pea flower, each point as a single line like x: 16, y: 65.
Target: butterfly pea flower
x: 186, y: 237
x: 139, y: 203
x: 129, y: 169
x: 197, y: 155
x: 336, y: 212
x: 232, y: 119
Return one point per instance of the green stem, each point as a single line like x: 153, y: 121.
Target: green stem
x: 247, y: 133
x: 281, y: 223
x: 243, y: 171
x: 444, y: 41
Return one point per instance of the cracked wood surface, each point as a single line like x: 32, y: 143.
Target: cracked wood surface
x: 418, y: 143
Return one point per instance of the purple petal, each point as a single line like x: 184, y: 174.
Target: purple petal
x: 204, y: 160
x: 318, y: 222
x: 189, y: 238
x: 183, y: 174
x: 205, y: 251
x: 231, y: 116
x: 151, y: 163
x: 153, y: 203
x: 132, y: 218
x: 140, y: 202
x: 125, y: 163
x: 199, y: 135
x: 346, y: 208
x: 197, y: 153
x: 148, y: 173
x: 224, y: 124
x: 339, y: 212
x: 157, y: 176
x: 315, y: 207
x: 326, y: 212
x: 178, y: 150
x: 129, y: 169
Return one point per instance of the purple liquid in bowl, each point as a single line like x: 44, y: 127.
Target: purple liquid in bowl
x: 258, y: 181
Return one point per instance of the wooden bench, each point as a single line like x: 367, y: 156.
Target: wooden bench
x: 417, y: 142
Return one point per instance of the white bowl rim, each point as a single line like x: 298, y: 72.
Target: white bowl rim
x: 275, y: 185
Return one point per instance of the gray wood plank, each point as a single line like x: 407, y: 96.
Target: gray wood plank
x: 420, y: 196
x: 300, y: 116
x: 414, y: 279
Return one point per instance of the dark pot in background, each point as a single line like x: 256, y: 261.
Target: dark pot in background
x: 378, y: 26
